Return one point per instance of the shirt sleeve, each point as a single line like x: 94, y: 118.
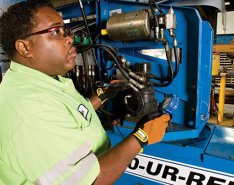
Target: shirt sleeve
x: 50, y: 148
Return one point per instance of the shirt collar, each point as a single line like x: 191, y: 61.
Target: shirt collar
x: 37, y: 75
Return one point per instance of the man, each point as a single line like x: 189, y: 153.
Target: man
x: 50, y: 134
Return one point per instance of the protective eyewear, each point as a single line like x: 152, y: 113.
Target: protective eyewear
x: 57, y: 31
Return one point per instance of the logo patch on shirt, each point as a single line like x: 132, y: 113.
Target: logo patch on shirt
x: 83, y: 111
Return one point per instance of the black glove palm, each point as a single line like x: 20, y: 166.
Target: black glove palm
x: 105, y: 93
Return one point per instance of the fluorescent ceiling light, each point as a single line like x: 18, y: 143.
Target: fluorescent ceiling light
x: 66, y: 21
x: 227, y: 3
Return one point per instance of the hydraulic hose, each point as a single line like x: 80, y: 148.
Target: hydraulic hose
x: 155, y: 19
x: 114, y: 55
x: 168, y: 79
x: 159, y: 9
x: 87, y: 28
x: 176, y: 60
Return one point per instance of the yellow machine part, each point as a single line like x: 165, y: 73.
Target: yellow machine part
x: 215, y: 64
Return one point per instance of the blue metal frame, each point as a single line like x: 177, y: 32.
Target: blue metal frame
x: 224, y: 39
x: 194, y: 78
x: 191, y: 140
x: 204, y: 150
x: 73, y: 11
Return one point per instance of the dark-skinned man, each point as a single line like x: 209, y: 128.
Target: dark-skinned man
x: 49, y: 133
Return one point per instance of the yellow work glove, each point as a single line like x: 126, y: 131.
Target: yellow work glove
x: 151, y: 131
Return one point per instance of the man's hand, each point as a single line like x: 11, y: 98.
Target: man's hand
x: 110, y: 91
x: 151, y: 131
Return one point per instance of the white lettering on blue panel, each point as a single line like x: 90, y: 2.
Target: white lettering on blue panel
x: 172, y: 172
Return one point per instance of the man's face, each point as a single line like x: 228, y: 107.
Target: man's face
x: 52, y: 53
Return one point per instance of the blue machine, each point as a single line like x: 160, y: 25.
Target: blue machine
x: 193, y: 151
x: 224, y: 39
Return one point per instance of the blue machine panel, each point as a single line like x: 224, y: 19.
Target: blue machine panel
x: 224, y: 39
x: 193, y: 151
x: 184, y: 162
x: 192, y: 84
x: 222, y: 143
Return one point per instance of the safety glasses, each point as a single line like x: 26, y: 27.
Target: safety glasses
x: 56, y: 31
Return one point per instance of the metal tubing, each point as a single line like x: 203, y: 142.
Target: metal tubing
x: 221, y: 96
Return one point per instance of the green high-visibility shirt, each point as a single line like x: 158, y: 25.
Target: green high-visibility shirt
x: 49, y: 133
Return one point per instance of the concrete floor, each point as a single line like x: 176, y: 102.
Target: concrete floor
x: 228, y: 116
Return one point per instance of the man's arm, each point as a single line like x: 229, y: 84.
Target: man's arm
x: 95, y: 101
x: 116, y: 160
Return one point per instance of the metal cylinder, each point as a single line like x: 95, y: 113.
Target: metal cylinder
x: 215, y: 64
x: 143, y: 102
x: 222, y: 96
x: 143, y: 67
x: 129, y: 26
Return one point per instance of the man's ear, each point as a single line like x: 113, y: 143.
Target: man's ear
x: 23, y: 48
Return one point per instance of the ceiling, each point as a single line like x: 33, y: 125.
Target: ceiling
x: 58, y: 3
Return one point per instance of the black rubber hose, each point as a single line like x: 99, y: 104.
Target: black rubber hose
x: 177, y: 61
x: 116, y: 62
x: 86, y: 77
x: 87, y: 28
x: 123, y: 70
x: 110, y: 51
x: 156, y: 23
x: 171, y: 77
x: 169, y: 64
x: 116, y: 54
x: 159, y: 9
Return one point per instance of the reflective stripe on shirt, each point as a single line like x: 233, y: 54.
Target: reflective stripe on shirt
x: 64, y: 166
x: 81, y: 171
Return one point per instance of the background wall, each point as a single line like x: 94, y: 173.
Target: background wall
x: 229, y: 23
x: 5, y: 3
